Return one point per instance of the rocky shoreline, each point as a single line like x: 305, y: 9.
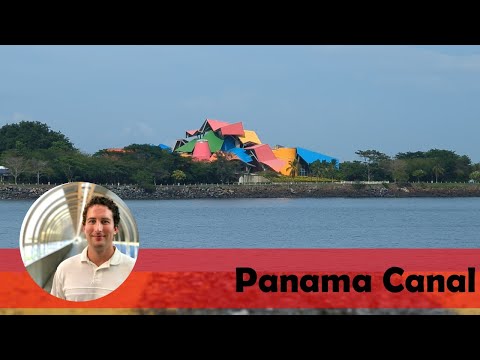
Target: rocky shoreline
x: 277, y: 190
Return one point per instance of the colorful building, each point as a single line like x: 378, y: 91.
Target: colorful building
x: 238, y: 144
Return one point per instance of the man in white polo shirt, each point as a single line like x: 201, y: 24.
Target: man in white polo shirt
x: 100, y: 268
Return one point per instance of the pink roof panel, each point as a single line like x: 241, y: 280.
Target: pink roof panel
x: 216, y: 124
x: 275, y: 164
x: 266, y: 156
x: 201, y: 151
x: 191, y: 132
x: 233, y: 129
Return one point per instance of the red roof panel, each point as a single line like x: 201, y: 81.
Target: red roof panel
x: 233, y: 129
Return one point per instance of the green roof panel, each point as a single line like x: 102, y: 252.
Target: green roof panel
x: 214, y: 142
x: 188, y: 147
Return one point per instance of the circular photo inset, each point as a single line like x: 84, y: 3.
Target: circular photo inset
x: 79, y: 241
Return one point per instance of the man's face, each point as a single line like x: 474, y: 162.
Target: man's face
x: 99, y: 229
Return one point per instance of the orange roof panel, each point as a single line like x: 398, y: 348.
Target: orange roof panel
x: 228, y: 155
x: 287, y: 154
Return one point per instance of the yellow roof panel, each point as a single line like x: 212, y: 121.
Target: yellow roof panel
x: 250, y: 136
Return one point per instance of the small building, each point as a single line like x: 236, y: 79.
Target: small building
x: 4, y: 172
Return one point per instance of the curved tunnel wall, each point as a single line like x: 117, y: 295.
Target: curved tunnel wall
x: 52, y: 228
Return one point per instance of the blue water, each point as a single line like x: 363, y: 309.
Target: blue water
x: 290, y: 223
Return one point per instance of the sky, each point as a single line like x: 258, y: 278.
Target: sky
x: 330, y: 99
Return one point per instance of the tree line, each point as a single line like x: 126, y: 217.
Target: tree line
x: 34, y: 153
x: 434, y: 165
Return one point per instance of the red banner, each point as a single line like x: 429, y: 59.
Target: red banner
x: 272, y: 278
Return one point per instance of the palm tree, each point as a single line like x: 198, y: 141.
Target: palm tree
x: 437, y: 170
x: 317, y: 169
x: 332, y: 168
x: 294, y: 167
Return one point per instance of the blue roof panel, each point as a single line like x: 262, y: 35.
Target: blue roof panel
x: 242, y: 154
x: 165, y: 147
x: 228, y: 143
x: 311, y: 156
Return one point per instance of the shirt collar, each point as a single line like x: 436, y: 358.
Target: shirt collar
x: 114, y: 260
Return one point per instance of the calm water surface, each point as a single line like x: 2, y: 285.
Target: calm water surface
x: 290, y: 223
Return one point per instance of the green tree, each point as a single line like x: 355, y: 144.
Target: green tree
x: 16, y: 164
x: 352, y: 171
x: 371, y: 157
x: 418, y: 174
x: 454, y: 167
x: 475, y: 175
x: 398, y: 170
x: 178, y: 176
x: 38, y: 167
x: 72, y: 165
x: 143, y: 177
x: 224, y: 169
x: 318, y: 169
x: 410, y: 155
x: 197, y: 172
x: 30, y: 135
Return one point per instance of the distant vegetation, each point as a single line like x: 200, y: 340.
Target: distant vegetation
x: 34, y: 153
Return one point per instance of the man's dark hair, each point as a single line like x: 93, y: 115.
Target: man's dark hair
x: 102, y: 200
